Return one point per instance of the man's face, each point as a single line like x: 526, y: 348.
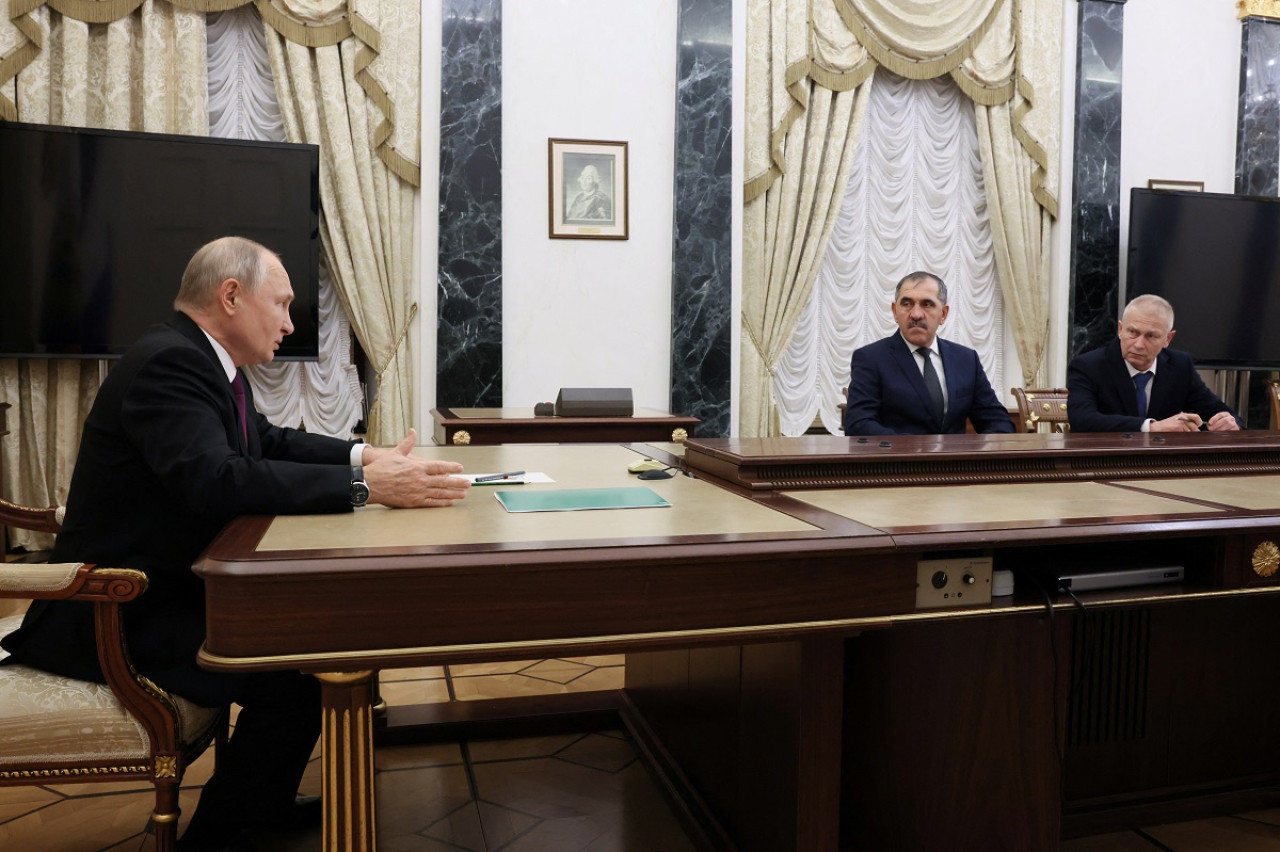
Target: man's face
x: 587, y: 180
x: 1143, y: 333
x: 918, y: 311
x: 262, y: 319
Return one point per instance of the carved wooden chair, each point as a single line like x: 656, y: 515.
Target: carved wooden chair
x: 1273, y: 395
x: 1042, y: 409
x: 56, y: 730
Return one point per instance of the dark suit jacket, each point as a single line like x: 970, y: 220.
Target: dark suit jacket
x: 1101, y: 396
x: 162, y: 467
x: 887, y: 394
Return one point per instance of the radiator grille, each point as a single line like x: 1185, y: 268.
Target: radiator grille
x: 1110, y: 660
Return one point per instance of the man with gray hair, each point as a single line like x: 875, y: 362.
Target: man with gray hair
x: 1137, y: 383
x: 172, y: 450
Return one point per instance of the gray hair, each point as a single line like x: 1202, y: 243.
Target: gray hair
x: 918, y: 277
x: 215, y: 262
x: 1150, y: 302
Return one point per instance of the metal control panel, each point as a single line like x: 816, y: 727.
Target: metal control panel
x: 953, y: 582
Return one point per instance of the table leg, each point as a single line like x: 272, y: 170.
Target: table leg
x: 347, y: 762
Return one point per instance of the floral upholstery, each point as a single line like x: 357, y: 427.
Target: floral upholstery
x: 45, y: 717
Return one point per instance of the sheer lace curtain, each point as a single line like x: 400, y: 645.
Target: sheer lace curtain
x: 914, y: 200
x: 1002, y: 55
x: 323, y: 396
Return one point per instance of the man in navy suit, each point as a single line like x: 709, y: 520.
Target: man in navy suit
x: 167, y: 458
x: 912, y: 382
x: 1137, y: 383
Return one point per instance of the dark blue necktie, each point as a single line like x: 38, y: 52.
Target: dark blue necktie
x: 1140, y: 382
x: 237, y: 388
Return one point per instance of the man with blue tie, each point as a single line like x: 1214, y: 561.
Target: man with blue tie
x: 1137, y: 383
x: 913, y: 382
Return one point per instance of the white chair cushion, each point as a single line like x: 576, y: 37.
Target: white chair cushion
x: 49, y: 717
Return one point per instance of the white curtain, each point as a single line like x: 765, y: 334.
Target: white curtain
x: 915, y: 200
x: 323, y: 396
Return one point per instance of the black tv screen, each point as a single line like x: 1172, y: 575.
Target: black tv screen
x: 96, y: 227
x: 1216, y: 258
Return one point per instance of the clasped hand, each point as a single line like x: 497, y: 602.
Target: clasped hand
x: 1184, y: 421
x: 398, y: 478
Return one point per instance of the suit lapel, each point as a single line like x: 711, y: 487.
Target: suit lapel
x: 1162, y: 386
x: 1122, y: 382
x: 188, y: 328
x: 906, y: 361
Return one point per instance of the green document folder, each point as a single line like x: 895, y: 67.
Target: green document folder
x: 577, y: 499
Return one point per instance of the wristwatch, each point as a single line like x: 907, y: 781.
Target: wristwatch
x: 359, y: 488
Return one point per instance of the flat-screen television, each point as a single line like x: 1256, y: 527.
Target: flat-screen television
x: 1216, y: 258
x: 97, y: 226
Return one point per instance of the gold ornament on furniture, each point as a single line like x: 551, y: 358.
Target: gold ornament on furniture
x: 461, y: 438
x: 1266, y: 559
x: 1257, y: 9
x: 678, y: 436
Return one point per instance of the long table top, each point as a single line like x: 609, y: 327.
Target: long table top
x: 724, y: 561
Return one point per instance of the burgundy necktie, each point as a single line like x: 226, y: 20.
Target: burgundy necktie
x: 237, y: 387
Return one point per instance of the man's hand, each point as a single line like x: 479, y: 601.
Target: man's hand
x: 396, y: 477
x: 1180, y: 422
x: 1223, y: 421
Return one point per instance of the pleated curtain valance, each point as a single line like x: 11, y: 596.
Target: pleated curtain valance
x: 310, y: 23
x: 991, y: 48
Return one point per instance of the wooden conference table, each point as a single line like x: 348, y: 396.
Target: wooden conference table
x: 786, y: 676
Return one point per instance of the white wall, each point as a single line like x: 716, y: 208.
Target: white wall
x: 1181, y: 97
x: 587, y: 313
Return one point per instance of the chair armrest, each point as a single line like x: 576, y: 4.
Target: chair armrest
x: 40, y: 520
x: 106, y: 589
x: 70, y: 581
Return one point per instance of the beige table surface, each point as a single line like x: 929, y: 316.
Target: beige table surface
x: 1013, y: 503
x: 698, y: 508
x: 1245, y: 492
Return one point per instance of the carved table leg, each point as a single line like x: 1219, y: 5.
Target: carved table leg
x: 347, y: 762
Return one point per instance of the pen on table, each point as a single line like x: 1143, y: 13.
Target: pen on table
x: 494, y: 477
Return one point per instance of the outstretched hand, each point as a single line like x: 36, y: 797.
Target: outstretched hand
x: 396, y: 477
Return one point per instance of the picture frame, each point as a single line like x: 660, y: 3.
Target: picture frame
x: 1184, y: 185
x: 588, y: 189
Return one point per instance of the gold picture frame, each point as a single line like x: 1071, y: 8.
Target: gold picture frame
x: 588, y: 189
x: 1184, y: 185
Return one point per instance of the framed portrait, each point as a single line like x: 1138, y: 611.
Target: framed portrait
x: 1185, y: 185
x: 588, y: 189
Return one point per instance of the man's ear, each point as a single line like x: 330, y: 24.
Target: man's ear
x: 230, y: 294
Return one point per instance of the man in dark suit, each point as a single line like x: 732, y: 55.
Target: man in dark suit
x: 914, y: 383
x: 1136, y: 383
x: 168, y: 456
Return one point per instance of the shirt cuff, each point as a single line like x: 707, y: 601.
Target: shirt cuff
x: 357, y: 454
x: 1146, y: 424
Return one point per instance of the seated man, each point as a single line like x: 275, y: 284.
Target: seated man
x: 1136, y: 383
x: 172, y: 450
x: 913, y: 383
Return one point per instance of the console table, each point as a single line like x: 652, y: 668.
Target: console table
x: 479, y: 426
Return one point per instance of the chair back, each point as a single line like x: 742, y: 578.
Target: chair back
x: 1273, y: 395
x: 1042, y: 409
